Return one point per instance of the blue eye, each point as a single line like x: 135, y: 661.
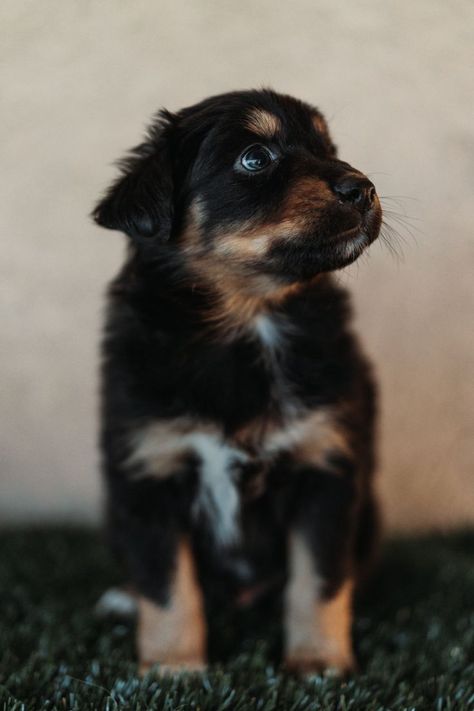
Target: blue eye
x: 256, y: 158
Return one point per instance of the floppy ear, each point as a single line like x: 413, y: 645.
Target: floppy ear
x: 140, y: 202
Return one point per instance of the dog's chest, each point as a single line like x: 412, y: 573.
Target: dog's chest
x: 232, y: 466
x: 274, y: 343
x: 241, y: 379
x: 251, y: 448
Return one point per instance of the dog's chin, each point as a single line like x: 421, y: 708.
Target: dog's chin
x: 302, y: 260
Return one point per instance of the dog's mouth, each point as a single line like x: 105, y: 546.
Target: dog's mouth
x: 345, y: 235
x: 306, y: 255
x: 367, y: 225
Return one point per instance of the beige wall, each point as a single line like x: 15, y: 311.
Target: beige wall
x: 78, y: 82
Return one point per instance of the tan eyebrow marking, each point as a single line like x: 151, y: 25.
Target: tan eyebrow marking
x: 263, y: 123
x: 319, y: 123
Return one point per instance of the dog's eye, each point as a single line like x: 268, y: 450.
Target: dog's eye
x: 256, y: 158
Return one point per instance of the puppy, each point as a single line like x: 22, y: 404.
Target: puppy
x: 237, y: 408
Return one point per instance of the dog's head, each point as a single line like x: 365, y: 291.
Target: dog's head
x: 246, y: 186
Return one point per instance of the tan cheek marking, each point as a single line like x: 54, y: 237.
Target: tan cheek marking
x: 226, y: 270
x: 255, y: 241
x: 242, y: 245
x: 174, y: 635
x: 318, y: 633
x: 250, y: 239
x: 306, y: 200
x: 263, y: 123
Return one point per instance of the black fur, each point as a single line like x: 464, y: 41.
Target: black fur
x: 161, y: 360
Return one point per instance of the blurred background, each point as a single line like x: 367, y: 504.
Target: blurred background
x: 80, y: 81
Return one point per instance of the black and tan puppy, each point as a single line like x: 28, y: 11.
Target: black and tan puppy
x: 238, y: 410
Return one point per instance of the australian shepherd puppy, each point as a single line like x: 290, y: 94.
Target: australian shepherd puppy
x: 237, y: 407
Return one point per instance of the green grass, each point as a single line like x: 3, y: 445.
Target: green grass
x: 414, y: 633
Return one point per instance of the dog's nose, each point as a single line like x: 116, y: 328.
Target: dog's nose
x: 356, y: 190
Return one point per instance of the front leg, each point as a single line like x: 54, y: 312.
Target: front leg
x: 173, y: 633
x: 147, y: 528
x: 319, y: 595
x: 318, y: 628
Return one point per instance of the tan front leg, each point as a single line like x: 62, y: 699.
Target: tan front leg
x: 174, y: 635
x: 318, y: 632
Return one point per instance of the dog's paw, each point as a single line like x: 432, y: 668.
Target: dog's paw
x: 310, y: 663
x: 172, y: 667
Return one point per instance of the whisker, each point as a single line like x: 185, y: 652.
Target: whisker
x: 399, y: 197
x: 395, y: 239
x: 396, y: 206
x: 397, y: 225
x: 406, y: 229
x: 402, y: 221
x: 403, y: 225
x: 403, y: 215
x: 390, y: 239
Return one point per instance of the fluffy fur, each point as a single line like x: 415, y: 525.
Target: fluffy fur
x: 237, y: 408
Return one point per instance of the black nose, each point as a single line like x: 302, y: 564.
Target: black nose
x: 356, y: 190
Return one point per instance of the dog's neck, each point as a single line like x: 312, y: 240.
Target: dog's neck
x: 236, y: 303
x: 208, y: 296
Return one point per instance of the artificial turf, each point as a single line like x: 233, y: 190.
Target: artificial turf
x: 414, y: 632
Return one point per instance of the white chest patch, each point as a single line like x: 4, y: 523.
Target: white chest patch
x: 158, y: 449
x: 218, y: 497
x: 269, y: 333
